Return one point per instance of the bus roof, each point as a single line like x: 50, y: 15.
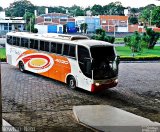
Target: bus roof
x: 63, y: 38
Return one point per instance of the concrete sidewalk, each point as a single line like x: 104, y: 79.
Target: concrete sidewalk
x: 6, y: 127
x: 110, y: 119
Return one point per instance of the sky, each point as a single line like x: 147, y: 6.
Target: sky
x: 84, y: 3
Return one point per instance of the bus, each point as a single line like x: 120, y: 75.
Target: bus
x: 75, y: 60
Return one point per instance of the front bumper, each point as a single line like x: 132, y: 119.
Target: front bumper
x: 99, y: 87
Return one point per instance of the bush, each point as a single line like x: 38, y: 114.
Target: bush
x: 35, y: 30
x: 101, y: 35
x: 139, y: 58
x: 3, y: 59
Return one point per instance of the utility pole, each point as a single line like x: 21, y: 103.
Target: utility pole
x: 8, y: 25
x: 150, y: 17
x: 114, y: 30
x: 25, y: 19
x: 30, y: 25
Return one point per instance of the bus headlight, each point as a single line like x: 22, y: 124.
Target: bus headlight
x: 97, y: 84
x: 116, y: 81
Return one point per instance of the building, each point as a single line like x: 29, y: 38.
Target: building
x: 10, y: 23
x: 54, y: 22
x: 114, y: 23
x: 93, y: 22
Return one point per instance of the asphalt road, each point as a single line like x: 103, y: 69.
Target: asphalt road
x: 36, y: 101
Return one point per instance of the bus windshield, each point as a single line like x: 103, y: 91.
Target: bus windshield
x: 104, y: 63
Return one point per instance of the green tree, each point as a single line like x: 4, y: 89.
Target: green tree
x: 152, y: 37
x: 133, y: 20
x: 30, y: 21
x: 83, y: 27
x: 113, y: 8
x: 17, y: 8
x: 1, y: 9
x: 97, y: 9
x: 76, y: 11
x: 134, y: 42
x: 155, y: 18
x: 145, y: 15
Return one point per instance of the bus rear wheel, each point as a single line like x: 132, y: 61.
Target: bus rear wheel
x: 71, y: 82
x: 21, y: 66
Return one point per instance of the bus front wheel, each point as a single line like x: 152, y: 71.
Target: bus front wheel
x: 71, y: 82
x: 21, y: 66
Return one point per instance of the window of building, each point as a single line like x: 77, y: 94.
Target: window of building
x: 6, y: 28
x: 103, y: 21
x: 48, y: 19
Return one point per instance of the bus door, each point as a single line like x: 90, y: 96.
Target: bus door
x: 84, y: 62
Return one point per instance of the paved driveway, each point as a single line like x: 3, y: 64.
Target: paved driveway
x: 43, y: 103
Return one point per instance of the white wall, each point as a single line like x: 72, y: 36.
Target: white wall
x: 2, y: 15
x: 122, y: 29
x: 41, y: 28
x: 79, y: 20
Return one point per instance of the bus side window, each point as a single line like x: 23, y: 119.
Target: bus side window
x: 14, y: 40
x: 35, y: 44
x: 18, y: 41
x: 53, y: 47
x: 82, y: 53
x: 31, y: 43
x: 59, y: 49
x: 24, y: 42
x: 9, y: 40
x: 66, y: 49
x: 46, y: 46
x: 72, y: 51
x: 42, y: 45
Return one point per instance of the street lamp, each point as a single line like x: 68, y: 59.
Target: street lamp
x: 8, y: 24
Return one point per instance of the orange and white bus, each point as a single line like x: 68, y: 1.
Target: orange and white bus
x: 76, y: 60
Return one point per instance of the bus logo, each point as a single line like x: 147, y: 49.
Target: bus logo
x: 37, y: 62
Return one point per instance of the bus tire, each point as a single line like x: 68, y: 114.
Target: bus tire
x: 21, y: 66
x: 71, y: 81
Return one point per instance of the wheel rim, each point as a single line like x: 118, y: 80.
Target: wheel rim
x: 72, y: 83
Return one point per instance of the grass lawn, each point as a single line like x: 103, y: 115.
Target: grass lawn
x: 2, y: 53
x: 126, y: 51
x: 119, y: 40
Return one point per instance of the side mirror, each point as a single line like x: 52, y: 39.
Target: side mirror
x: 118, y: 59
